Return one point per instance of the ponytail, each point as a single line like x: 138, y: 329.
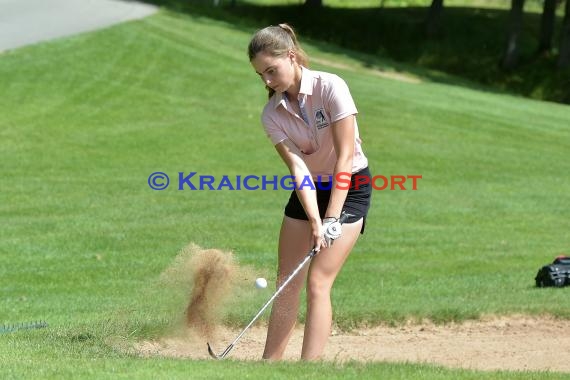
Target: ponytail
x: 302, y: 57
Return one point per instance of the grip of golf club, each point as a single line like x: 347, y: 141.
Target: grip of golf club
x: 343, y: 217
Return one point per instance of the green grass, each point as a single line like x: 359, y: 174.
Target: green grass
x: 86, y: 119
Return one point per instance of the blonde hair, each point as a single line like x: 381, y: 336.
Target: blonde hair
x: 277, y: 41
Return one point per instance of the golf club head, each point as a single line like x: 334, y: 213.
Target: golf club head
x: 212, y: 353
x: 223, y: 354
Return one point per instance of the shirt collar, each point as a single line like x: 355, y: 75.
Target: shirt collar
x: 306, y: 81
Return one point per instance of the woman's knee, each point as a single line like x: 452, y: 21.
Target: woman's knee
x: 318, y: 286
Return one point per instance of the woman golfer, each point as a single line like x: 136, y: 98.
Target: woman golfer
x: 310, y: 118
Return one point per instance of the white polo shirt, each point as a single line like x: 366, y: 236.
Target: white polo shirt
x: 324, y: 99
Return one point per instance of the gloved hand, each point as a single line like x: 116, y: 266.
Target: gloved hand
x: 333, y: 230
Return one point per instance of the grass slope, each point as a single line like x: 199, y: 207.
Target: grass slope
x: 470, y: 42
x: 84, y: 239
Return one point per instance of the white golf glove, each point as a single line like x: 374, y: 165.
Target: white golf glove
x: 333, y: 230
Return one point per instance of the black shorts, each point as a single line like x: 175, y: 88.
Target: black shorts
x: 357, y: 201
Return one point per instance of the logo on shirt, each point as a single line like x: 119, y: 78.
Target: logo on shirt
x: 320, y: 120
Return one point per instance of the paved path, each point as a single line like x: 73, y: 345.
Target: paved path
x: 26, y: 22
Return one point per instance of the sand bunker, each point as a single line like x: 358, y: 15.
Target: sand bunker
x: 505, y: 343
x: 492, y: 343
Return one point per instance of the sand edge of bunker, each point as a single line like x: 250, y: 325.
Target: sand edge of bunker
x: 515, y: 342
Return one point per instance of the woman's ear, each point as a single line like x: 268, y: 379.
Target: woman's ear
x: 292, y: 55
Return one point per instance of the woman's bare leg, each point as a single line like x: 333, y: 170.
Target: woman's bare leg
x: 294, y: 245
x: 322, y: 273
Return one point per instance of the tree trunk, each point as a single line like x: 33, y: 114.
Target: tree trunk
x: 433, y: 21
x: 511, y: 56
x: 547, y: 26
x: 564, y: 58
x: 314, y: 3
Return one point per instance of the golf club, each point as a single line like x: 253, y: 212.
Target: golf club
x: 307, y: 258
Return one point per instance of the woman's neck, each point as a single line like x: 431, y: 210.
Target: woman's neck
x: 293, y: 91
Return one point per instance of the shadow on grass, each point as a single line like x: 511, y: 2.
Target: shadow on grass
x: 468, y: 46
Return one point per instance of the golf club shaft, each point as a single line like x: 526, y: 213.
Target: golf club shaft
x: 291, y: 276
x: 343, y: 217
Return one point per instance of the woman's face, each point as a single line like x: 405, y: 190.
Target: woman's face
x: 277, y: 73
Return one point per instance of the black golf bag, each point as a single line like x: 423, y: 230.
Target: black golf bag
x: 556, y: 274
